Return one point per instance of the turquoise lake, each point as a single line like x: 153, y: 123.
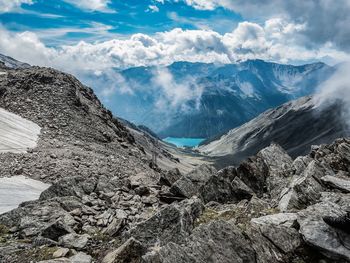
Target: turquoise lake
x: 182, y: 142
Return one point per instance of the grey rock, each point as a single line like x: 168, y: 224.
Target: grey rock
x: 336, y: 182
x: 113, y: 228
x: 318, y: 234
x: 265, y: 250
x: 279, y: 165
x: 78, y: 258
x: 225, y: 186
x: 56, y: 230
x: 189, y: 184
x: 81, y: 258
x: 170, y: 177
x: 172, y: 224
x: 287, y: 239
x: 60, y: 252
x: 130, y: 251
x: 280, y: 219
x: 305, y: 189
x: 71, y: 186
x: 74, y: 241
x: 218, y: 241
x: 254, y: 172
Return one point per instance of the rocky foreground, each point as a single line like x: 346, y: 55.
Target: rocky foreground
x: 108, y: 203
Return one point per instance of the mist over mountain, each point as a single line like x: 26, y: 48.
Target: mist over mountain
x: 201, y: 100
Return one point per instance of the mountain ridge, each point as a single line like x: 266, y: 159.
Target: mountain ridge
x: 228, y: 95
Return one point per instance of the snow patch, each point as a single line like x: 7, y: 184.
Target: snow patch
x: 16, y: 133
x: 18, y: 189
x: 247, y: 88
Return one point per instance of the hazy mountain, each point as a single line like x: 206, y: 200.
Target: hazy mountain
x: 201, y: 100
x: 295, y: 126
x: 12, y: 63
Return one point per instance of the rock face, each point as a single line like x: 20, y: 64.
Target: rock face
x: 288, y: 125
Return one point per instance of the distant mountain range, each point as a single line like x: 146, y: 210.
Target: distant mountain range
x: 201, y: 100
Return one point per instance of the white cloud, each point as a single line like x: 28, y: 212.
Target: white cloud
x: 274, y: 41
x: 174, y: 93
x: 324, y: 20
x: 153, y: 8
x: 92, y: 5
x: 12, y: 5
x: 337, y: 89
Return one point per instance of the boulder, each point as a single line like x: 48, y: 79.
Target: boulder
x: 225, y: 186
x: 304, y: 190
x: 287, y: 239
x: 70, y: 186
x: 171, y: 224
x: 170, y: 177
x: 60, y: 252
x: 74, y: 241
x: 78, y: 258
x: 253, y: 172
x: 265, y: 250
x: 318, y: 234
x: 217, y: 241
x: 337, y: 182
x: 280, y: 219
x: 189, y: 184
x: 81, y: 258
x: 33, y: 218
x: 56, y: 230
x: 130, y: 252
x: 279, y: 165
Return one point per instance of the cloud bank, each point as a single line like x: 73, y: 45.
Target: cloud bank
x: 326, y: 20
x: 275, y: 40
x: 11, y: 5
x: 337, y: 89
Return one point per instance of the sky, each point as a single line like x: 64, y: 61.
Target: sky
x: 102, y: 34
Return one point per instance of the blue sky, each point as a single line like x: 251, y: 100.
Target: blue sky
x: 59, y: 22
x: 98, y: 35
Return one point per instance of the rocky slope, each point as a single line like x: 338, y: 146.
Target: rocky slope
x: 295, y: 126
x: 81, y: 145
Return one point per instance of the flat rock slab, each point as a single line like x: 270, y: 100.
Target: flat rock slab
x: 16, y: 133
x: 328, y: 240
x: 18, y: 189
x: 339, y: 183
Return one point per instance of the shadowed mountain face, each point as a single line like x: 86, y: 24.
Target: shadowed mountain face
x: 295, y: 126
x: 202, y: 100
